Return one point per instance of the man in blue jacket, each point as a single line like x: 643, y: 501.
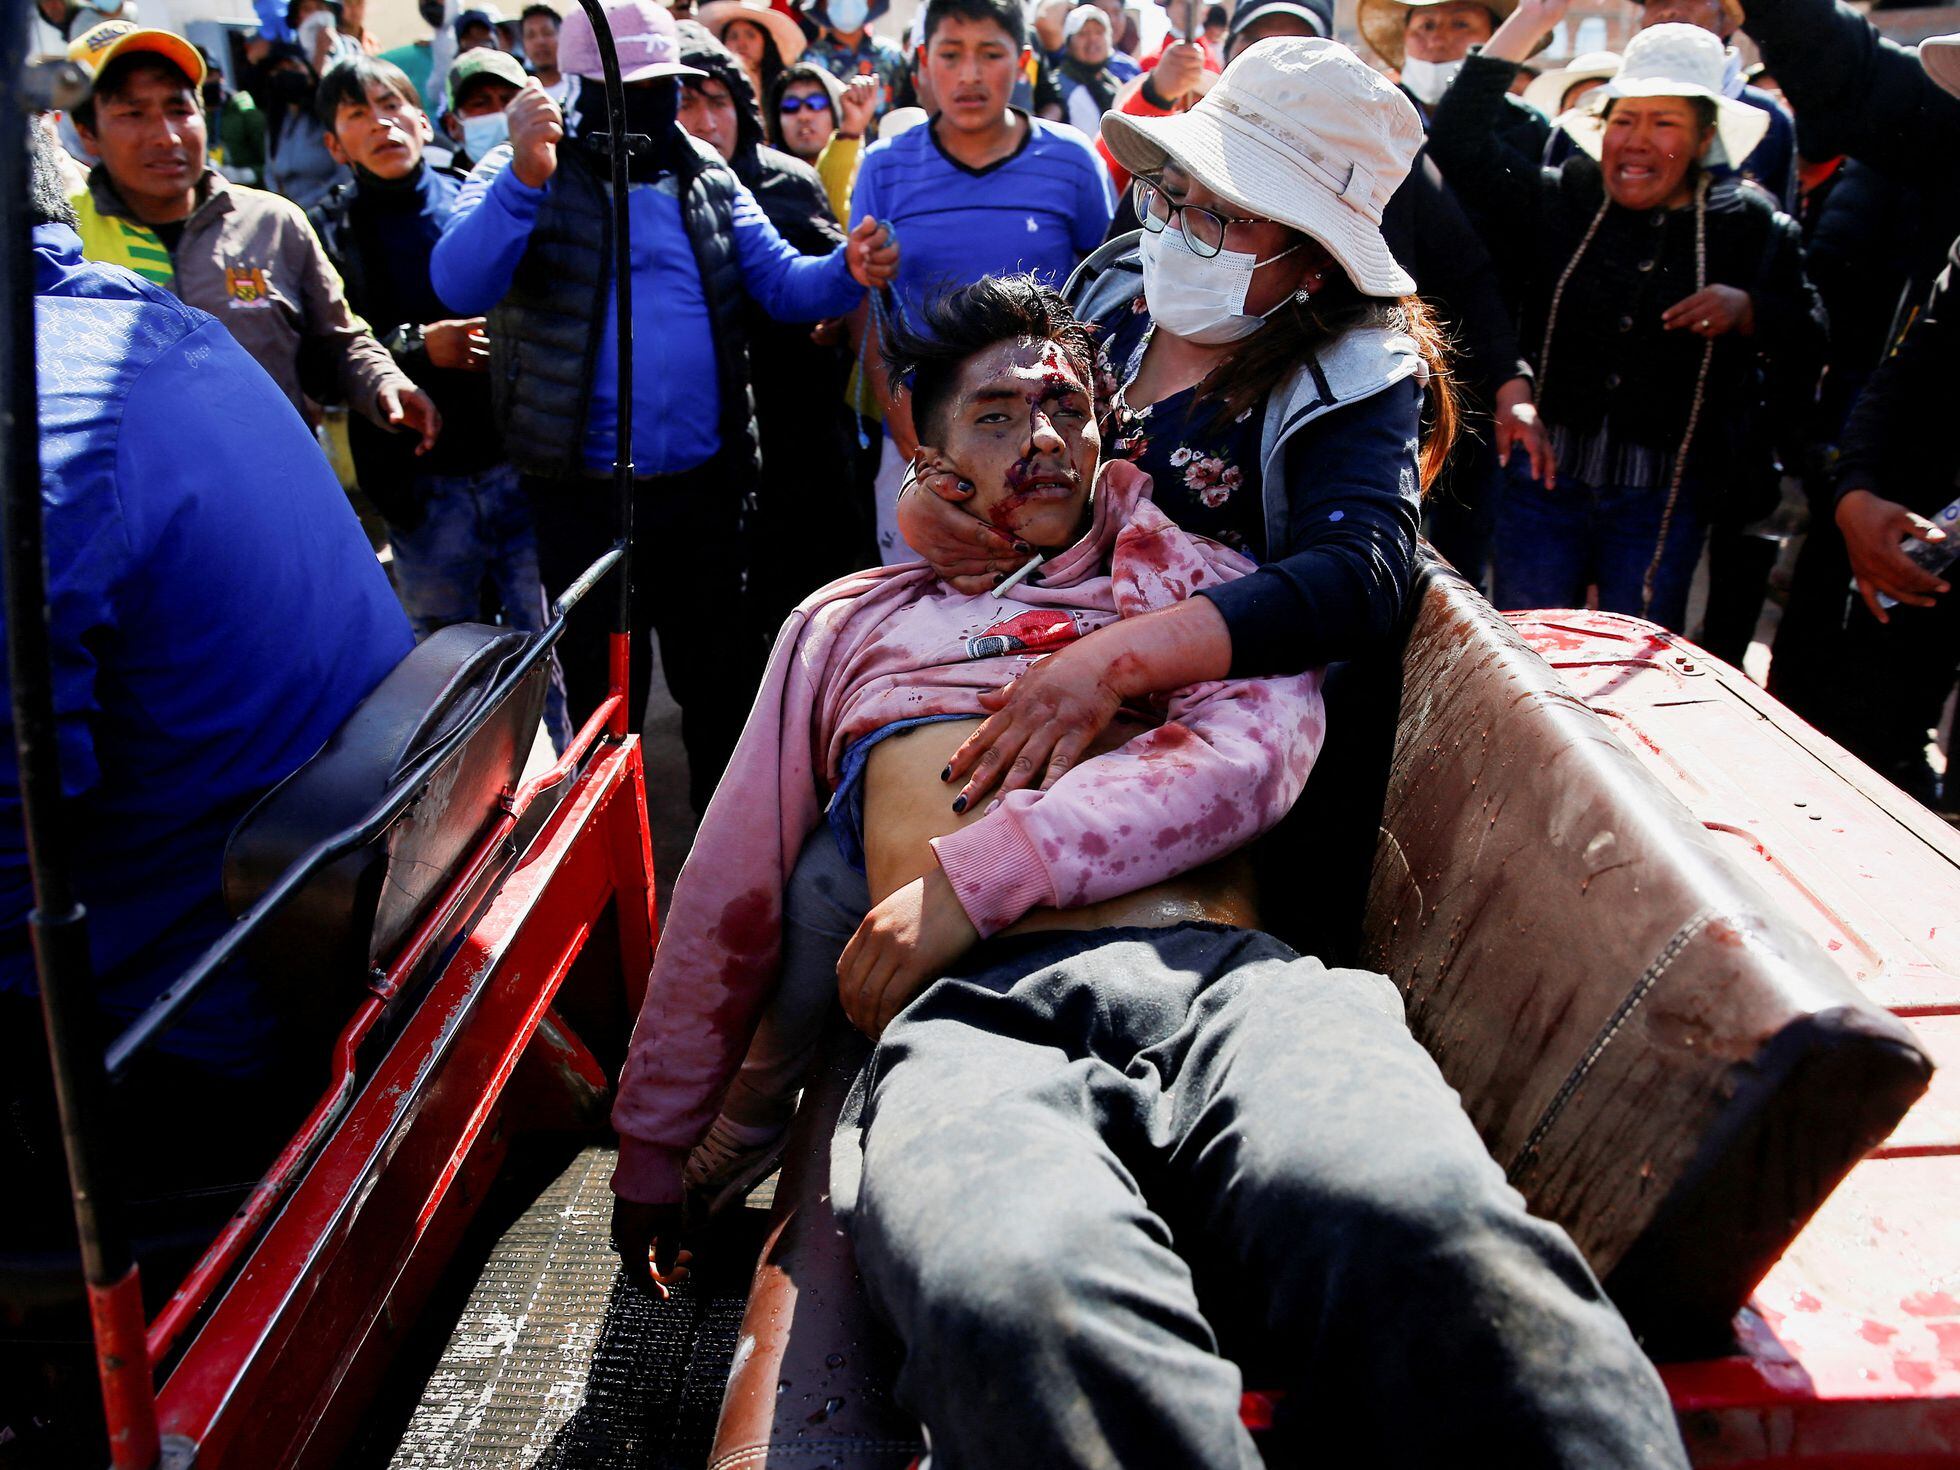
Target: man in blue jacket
x: 216, y: 615
x: 528, y: 243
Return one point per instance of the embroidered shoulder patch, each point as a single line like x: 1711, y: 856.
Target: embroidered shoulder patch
x: 246, y: 287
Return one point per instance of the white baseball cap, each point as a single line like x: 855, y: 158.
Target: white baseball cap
x: 1083, y: 15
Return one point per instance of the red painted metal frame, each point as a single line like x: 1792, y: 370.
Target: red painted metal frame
x: 280, y: 1373
x: 194, y: 1292
x: 128, y: 1401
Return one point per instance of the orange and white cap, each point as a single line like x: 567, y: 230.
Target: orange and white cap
x: 96, y: 47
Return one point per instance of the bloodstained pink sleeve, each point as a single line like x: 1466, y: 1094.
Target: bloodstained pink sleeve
x: 717, y: 961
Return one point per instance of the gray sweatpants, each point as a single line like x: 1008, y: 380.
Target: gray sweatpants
x: 1090, y: 1175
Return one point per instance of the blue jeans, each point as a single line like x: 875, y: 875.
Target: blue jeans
x: 475, y: 528
x: 1552, y: 545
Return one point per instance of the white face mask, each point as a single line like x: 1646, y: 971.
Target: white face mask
x: 481, y: 134
x: 311, y: 29
x: 847, y: 15
x: 1201, y: 298
x: 1429, y: 80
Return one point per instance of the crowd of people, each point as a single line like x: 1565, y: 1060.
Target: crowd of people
x: 1655, y: 353
x: 1658, y: 328
x: 1283, y: 309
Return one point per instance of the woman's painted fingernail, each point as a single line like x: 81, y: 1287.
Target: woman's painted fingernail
x: 959, y: 805
x: 999, y: 577
x: 947, y: 774
x: 1023, y: 548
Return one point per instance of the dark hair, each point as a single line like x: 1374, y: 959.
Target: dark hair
x: 348, y: 83
x: 531, y: 10
x: 802, y: 71
x: 1297, y: 333
x: 47, y: 195
x: 1004, y: 13
x: 1217, y: 15
x: 928, y: 358
x: 772, y: 55
x: 116, y: 76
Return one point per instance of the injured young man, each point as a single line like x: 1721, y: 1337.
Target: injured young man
x: 1116, y: 1153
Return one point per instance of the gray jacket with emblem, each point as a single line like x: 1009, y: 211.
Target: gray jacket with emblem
x: 252, y: 260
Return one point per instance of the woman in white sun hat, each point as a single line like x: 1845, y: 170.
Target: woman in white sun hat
x: 1266, y: 362
x: 763, y: 39
x: 1651, y: 289
x: 1557, y: 92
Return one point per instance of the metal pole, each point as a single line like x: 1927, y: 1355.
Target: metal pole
x: 622, y: 145
x: 58, y: 923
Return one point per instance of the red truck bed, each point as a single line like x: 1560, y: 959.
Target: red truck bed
x: 1851, y: 1346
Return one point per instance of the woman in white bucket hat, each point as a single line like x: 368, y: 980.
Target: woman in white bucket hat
x: 1650, y: 290
x: 1265, y: 361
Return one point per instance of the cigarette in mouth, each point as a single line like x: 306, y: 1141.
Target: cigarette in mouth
x: 1020, y: 575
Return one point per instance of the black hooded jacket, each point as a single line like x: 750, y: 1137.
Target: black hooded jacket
x: 543, y: 349
x: 810, y: 529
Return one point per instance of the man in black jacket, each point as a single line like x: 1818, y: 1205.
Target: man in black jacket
x: 1895, y: 469
x: 811, y: 524
x: 1872, y: 100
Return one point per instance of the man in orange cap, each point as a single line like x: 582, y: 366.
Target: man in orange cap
x: 156, y: 206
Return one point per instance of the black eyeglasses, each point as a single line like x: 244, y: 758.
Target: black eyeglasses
x: 1203, y: 229
x: 815, y: 101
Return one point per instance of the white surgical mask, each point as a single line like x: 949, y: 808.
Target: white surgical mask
x: 1201, y: 298
x: 1429, y: 80
x: 847, y: 15
x: 311, y: 28
x: 481, y: 134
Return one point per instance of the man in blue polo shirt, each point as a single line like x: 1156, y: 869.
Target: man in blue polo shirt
x: 982, y: 190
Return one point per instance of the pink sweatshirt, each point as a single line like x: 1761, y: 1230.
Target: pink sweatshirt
x: 1225, y: 764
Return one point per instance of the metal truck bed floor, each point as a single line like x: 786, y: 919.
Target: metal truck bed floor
x: 557, y: 1363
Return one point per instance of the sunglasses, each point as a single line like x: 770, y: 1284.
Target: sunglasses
x: 1203, y: 229
x: 816, y: 102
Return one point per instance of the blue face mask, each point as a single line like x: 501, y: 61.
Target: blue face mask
x: 848, y: 15
x: 481, y: 134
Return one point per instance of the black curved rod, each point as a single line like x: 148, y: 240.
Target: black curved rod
x: 621, y: 147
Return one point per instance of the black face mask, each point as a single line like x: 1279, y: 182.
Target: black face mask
x: 652, y: 110
x: 292, y: 87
